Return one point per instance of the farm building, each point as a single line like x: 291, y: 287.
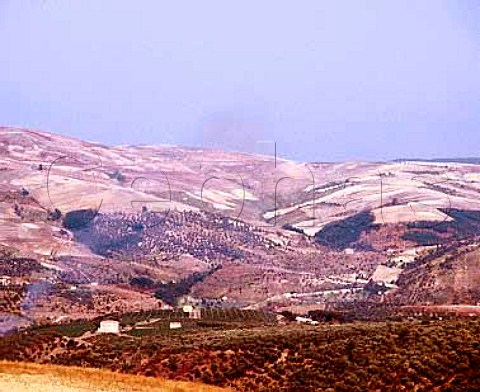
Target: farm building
x: 175, y: 325
x: 306, y: 320
x: 5, y: 280
x: 187, y: 308
x: 193, y: 313
x: 109, y: 326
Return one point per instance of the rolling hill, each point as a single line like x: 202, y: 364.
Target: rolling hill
x: 84, y: 223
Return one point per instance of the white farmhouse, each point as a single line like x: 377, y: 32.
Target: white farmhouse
x: 5, y: 280
x: 193, y: 313
x: 306, y: 320
x: 187, y: 308
x: 175, y: 325
x: 109, y: 326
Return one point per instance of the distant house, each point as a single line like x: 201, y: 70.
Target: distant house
x: 5, y: 280
x: 300, y: 319
x: 193, y: 313
x: 187, y: 308
x: 175, y: 325
x: 306, y: 320
x: 109, y: 326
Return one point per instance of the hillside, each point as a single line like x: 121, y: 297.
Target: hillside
x: 426, y: 355
x: 90, y: 229
x: 448, y: 275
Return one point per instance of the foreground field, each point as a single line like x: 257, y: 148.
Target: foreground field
x: 22, y: 377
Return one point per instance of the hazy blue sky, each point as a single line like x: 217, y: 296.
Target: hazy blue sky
x: 327, y: 80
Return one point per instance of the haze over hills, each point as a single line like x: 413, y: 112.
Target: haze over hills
x: 89, y: 229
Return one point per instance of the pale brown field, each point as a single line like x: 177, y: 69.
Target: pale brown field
x: 23, y: 377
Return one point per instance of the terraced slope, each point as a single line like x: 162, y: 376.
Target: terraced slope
x: 449, y: 275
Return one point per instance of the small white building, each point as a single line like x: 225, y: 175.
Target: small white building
x: 175, y: 325
x: 193, y: 313
x: 306, y: 320
x: 109, y: 326
x: 187, y: 308
x: 5, y: 280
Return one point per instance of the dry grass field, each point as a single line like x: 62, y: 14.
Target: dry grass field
x: 23, y: 377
